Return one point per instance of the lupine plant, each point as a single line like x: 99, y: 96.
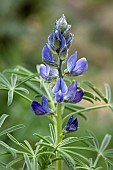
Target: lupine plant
x: 60, y: 95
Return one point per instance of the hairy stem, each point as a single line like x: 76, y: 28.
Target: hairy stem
x: 58, y: 132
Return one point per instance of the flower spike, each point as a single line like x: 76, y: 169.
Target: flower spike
x: 72, y: 124
x: 41, y: 109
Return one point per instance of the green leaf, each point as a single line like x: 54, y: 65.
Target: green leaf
x: 18, y: 143
x: 27, y: 161
x: 29, y: 146
x: 88, y: 99
x: 13, y: 162
x: 8, y: 148
x: 90, y: 95
x: 108, y: 92
x: 4, y: 80
x: 22, y: 89
x: 71, y: 140
x: 52, y: 132
x: 10, y: 96
x: 41, y: 137
x: 111, y: 106
x: 96, y: 90
x: 11, y: 129
x: 95, y: 140
x: 26, y: 79
x: 13, y: 80
x: 2, y: 119
x: 105, y: 142
x: 69, y: 161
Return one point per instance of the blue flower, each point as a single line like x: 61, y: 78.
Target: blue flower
x: 41, y: 109
x: 60, y: 89
x: 47, y: 73
x: 47, y: 55
x: 73, y: 94
x: 72, y: 124
x: 75, y: 67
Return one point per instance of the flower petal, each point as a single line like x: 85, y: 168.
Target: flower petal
x: 59, y: 96
x: 51, y: 39
x: 78, y: 97
x: 81, y: 67
x: 47, y: 55
x: 70, y: 120
x: 71, y: 91
x: 56, y: 88
x: 63, y: 44
x: 45, y: 104
x: 73, y: 126
x: 53, y: 72
x: 37, y: 108
x: 44, y: 71
x: 71, y: 63
x: 63, y: 86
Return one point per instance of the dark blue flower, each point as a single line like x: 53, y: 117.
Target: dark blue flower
x: 47, y: 73
x: 41, y: 109
x: 72, y: 124
x: 47, y: 55
x: 73, y: 94
x: 75, y: 67
x: 60, y: 89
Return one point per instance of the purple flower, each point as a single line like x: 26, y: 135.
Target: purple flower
x: 47, y: 73
x: 73, y: 94
x: 72, y: 124
x: 41, y: 109
x: 60, y: 89
x: 75, y: 67
x: 47, y: 55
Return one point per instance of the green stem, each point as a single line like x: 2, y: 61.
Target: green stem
x: 50, y: 97
x: 84, y: 110
x: 59, y: 132
x: 96, y: 160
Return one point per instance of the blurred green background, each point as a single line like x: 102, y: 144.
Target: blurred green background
x: 24, y: 29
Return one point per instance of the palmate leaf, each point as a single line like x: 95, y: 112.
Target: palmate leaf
x: 2, y: 119
x: 97, y: 91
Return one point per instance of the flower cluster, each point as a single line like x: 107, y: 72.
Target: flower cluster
x: 58, y: 45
